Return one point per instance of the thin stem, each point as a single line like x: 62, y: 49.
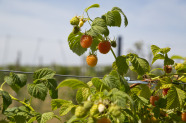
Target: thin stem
x: 28, y: 105
x: 2, y: 85
x: 113, y: 53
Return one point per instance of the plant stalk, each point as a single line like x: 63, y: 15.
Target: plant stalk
x: 113, y: 53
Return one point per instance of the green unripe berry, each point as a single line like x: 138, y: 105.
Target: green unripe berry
x: 74, y: 21
x: 80, y: 112
x: 94, y: 110
x: 113, y: 43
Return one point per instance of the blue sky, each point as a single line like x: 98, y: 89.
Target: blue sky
x: 39, y: 28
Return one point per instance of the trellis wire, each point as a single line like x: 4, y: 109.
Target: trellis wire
x: 76, y: 76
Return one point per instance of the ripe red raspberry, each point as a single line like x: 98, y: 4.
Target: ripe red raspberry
x: 104, y: 47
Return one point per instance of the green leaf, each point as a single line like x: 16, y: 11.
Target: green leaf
x: 99, y: 85
x: 122, y: 65
x: 144, y: 91
x: 94, y: 44
x: 65, y: 109
x: 112, y: 18
x: 165, y: 50
x: 52, y: 85
x: 73, y: 83
x: 37, y: 90
x: 157, y: 56
x: 168, y: 61
x: 98, y: 27
x: 82, y: 94
x: 57, y: 103
x: 111, y: 81
x: 46, y: 116
x: 141, y: 66
x: 175, y: 97
x: 16, y: 81
x: 7, y: 100
x: 155, y: 49
x: 120, y: 11
x: 32, y: 120
x: 177, y: 57
x: 92, y: 6
x: 74, y: 43
x: 156, y: 111
x: 43, y: 73
x: 161, y: 103
x: 119, y: 97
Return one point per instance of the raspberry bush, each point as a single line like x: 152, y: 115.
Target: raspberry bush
x: 109, y: 99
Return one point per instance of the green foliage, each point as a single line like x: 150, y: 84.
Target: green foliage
x: 98, y: 27
x: 43, y: 74
x: 74, y: 43
x: 57, y: 103
x: 99, y: 84
x: 37, y: 90
x: 16, y: 81
x: 47, y: 116
x: 92, y: 6
x: 73, y: 83
x: 175, y: 97
x: 121, y: 65
x: 52, y: 85
x: 6, y: 99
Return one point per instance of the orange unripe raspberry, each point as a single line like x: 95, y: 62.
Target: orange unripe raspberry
x: 91, y: 60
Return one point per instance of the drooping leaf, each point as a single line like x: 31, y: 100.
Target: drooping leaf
x: 94, y: 44
x: 37, y: 90
x: 98, y: 84
x: 155, y: 49
x: 112, y: 18
x: 122, y: 65
x: 65, y: 109
x: 52, y: 85
x: 16, y: 81
x: 156, y: 111
x: 92, y: 6
x: 43, y: 73
x: 74, y: 43
x: 168, y: 61
x: 82, y: 94
x: 157, y: 56
x: 98, y: 27
x: 175, y: 97
x: 7, y: 100
x: 140, y: 65
x: 73, y: 83
x: 120, y: 11
x: 57, y: 103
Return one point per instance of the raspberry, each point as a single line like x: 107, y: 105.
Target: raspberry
x: 104, y: 47
x: 103, y: 120
x: 94, y: 110
x: 80, y: 112
x: 86, y: 41
x: 91, y: 60
x: 113, y: 43
x: 74, y: 21
x: 168, y: 68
